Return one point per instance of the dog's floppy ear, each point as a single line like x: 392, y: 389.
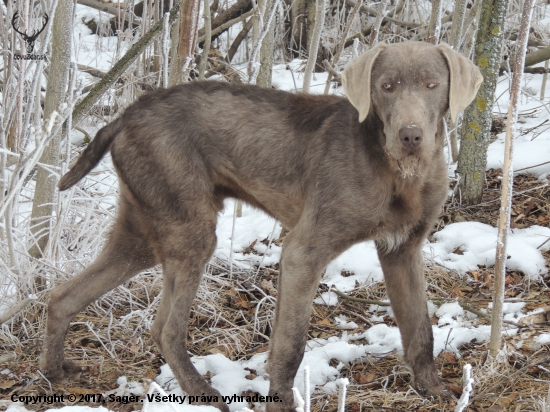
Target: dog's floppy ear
x: 356, y: 80
x: 465, y: 80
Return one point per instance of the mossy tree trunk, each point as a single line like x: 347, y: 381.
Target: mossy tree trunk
x: 472, y: 158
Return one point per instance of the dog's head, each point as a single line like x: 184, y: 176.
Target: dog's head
x: 410, y: 86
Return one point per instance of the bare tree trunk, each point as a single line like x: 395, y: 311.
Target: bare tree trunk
x: 455, y: 40
x: 266, y: 52
x: 186, y: 41
x: 544, y: 80
x: 311, y: 18
x: 299, y: 25
x: 378, y: 22
x: 314, y: 45
x: 476, y: 126
x: 434, y: 27
x: 42, y: 206
x: 457, y: 27
x: 264, y: 27
x: 507, y: 183
x: 207, y: 39
x: 257, y: 19
x: 471, y: 23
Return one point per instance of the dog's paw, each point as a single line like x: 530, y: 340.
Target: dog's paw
x: 65, y: 370
x: 438, y: 390
x: 71, y: 369
x: 428, y: 383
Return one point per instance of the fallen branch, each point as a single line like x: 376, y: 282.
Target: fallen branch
x: 220, y: 29
x: 360, y: 300
x: 238, y: 40
x: 91, y: 71
x: 223, y: 18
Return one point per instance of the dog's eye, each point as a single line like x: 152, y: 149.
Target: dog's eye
x: 432, y: 85
x: 387, y: 86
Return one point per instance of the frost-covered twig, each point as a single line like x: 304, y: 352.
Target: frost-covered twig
x: 382, y: 7
x: 15, y: 309
x: 303, y: 405
x: 165, y: 49
x: 336, y: 58
x: 253, y: 65
x: 120, y: 67
x: 307, y: 396
x: 508, y: 179
x: 298, y: 400
x: 232, y: 238
x: 468, y: 382
x: 342, y: 394
x: 29, y: 163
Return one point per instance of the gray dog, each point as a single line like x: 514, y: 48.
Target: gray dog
x: 334, y: 172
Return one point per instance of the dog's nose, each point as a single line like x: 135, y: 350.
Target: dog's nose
x: 411, y: 136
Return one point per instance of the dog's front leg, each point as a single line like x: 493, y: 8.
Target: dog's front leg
x: 302, y: 265
x: 403, y: 272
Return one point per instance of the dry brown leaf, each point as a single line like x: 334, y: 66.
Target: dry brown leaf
x: 242, y: 301
x: 533, y: 319
x: 79, y: 391
x: 362, y: 379
x: 457, y: 390
x: 5, y: 384
x: 325, y: 322
x: 507, y: 400
x: 449, y: 357
x: 267, y: 286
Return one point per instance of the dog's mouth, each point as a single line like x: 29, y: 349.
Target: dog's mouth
x: 409, y: 166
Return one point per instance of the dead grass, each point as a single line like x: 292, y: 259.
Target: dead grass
x: 233, y: 317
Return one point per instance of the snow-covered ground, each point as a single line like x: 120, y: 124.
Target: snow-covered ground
x: 476, y: 241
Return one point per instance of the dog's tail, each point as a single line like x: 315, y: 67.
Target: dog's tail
x: 91, y: 156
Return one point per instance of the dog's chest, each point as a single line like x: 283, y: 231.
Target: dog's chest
x: 402, y: 212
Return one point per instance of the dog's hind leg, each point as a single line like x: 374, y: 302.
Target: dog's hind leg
x: 187, y: 246
x: 126, y: 253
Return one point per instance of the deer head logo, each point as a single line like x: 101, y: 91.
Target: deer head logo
x: 30, y: 39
